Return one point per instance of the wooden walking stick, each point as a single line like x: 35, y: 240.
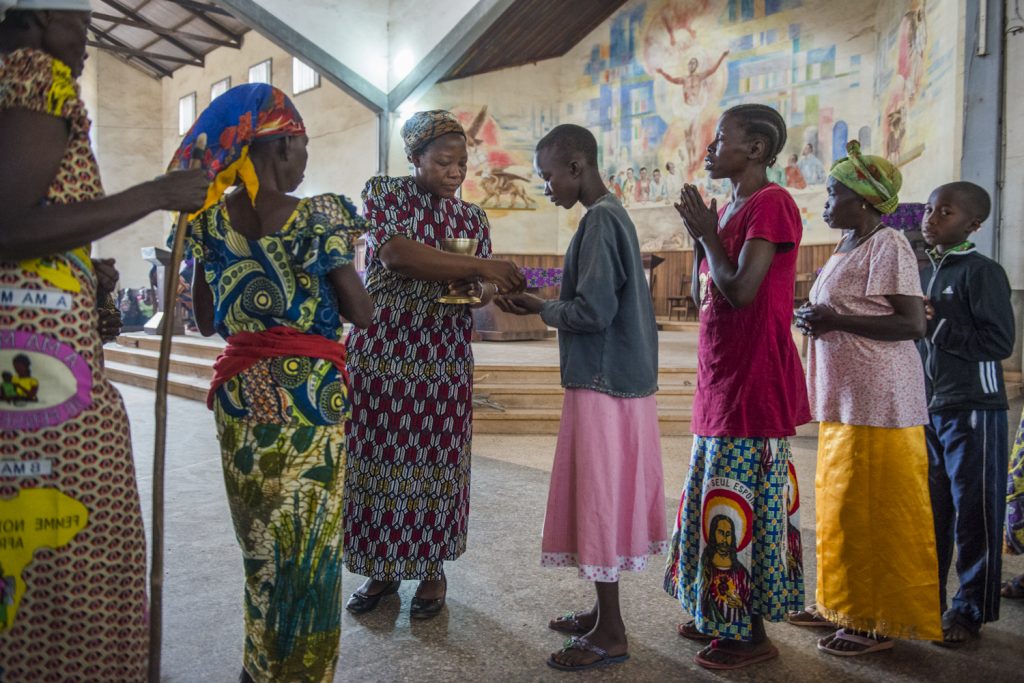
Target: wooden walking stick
x: 156, y: 572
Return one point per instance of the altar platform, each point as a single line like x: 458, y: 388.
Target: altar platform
x: 516, y: 383
x: 516, y: 386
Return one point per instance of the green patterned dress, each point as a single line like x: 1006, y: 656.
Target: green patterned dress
x: 281, y: 425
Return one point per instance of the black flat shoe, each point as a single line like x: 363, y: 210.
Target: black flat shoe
x: 422, y: 608
x: 361, y: 603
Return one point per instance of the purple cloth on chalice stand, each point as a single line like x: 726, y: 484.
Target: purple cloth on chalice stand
x: 492, y: 324
x: 906, y: 217
x: 542, y: 278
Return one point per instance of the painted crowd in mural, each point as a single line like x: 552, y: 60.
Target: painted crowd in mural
x: 651, y: 82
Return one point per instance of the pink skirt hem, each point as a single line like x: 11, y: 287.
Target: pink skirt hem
x: 606, y: 503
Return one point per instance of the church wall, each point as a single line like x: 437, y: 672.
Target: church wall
x: 124, y: 105
x: 887, y: 73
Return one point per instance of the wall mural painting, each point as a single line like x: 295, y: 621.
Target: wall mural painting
x: 653, y: 79
x: 500, y: 175
x: 915, y: 91
x: 656, y: 82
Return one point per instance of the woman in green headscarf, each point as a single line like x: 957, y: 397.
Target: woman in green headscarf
x: 877, y: 566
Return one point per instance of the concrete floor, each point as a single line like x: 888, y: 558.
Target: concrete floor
x: 494, y: 628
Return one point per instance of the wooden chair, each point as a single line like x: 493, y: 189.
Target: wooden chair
x: 802, y: 288
x: 683, y: 303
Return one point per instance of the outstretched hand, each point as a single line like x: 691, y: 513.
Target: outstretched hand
x: 181, y: 190
x: 701, y: 221
x: 520, y: 304
x: 504, y: 274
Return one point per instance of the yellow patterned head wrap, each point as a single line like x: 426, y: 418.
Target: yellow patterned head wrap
x: 426, y: 126
x: 873, y: 178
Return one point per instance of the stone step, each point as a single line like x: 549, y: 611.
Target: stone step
x: 534, y: 421
x: 181, y: 364
x: 197, y: 347
x: 519, y: 395
x: 194, y: 356
x: 673, y: 418
x: 186, y: 386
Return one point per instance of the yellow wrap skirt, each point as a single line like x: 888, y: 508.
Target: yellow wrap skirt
x: 877, y: 566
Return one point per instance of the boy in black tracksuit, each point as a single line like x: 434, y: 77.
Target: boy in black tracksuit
x: 970, y: 330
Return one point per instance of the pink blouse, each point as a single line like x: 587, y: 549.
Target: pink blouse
x: 852, y: 379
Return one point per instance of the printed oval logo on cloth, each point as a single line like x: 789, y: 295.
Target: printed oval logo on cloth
x: 43, y: 382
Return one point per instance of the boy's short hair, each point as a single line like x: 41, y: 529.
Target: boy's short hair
x: 974, y: 198
x: 568, y: 138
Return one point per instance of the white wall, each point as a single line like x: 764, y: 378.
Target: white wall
x: 355, y: 32
x: 124, y: 105
x: 418, y: 26
x: 1011, y: 223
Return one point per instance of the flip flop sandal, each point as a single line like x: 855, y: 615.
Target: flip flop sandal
x: 690, y: 631
x: 1013, y: 589
x: 569, y: 623
x: 581, y: 643
x: 809, y: 618
x: 869, y: 645
x: 740, y: 659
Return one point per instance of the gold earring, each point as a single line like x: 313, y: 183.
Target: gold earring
x: 863, y: 207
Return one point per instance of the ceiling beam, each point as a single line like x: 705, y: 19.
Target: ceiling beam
x: 294, y: 43
x: 110, y: 40
x: 201, y: 7
x: 198, y: 37
x: 132, y: 14
x: 142, y: 53
x: 447, y: 52
x: 199, y: 11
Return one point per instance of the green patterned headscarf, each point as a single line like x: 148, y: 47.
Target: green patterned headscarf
x: 425, y: 126
x: 873, y: 178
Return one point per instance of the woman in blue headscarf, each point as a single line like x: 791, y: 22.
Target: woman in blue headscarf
x: 273, y: 275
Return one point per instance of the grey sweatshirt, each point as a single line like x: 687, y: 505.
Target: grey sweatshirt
x: 607, y: 336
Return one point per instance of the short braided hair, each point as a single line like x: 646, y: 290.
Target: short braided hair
x: 759, y: 120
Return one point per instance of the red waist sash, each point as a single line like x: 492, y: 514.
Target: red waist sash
x: 245, y: 349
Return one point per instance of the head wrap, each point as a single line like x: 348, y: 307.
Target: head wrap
x: 426, y: 126
x: 254, y: 111
x: 873, y: 178
x: 33, y: 5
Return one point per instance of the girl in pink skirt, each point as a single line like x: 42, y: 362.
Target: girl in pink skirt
x: 606, y: 506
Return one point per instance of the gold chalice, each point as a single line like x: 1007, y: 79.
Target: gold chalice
x: 459, y: 245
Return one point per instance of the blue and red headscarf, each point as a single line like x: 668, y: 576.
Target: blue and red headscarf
x: 254, y: 111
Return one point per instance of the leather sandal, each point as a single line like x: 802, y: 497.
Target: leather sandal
x: 422, y: 608
x: 361, y: 603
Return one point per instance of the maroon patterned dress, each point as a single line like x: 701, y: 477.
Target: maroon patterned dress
x: 407, y: 476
